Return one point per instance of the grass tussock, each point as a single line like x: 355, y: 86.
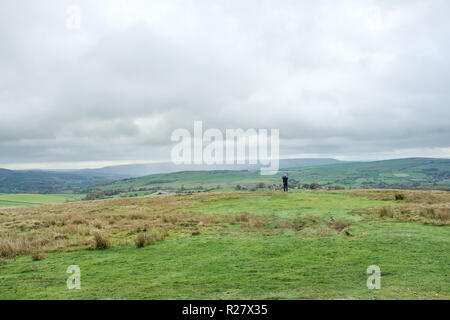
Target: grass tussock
x: 12, y: 247
x: 442, y: 214
x: 399, y: 197
x: 100, y: 241
x: 386, y: 212
x: 438, y: 214
x: 152, y: 237
x: 37, y: 256
x: 338, y: 225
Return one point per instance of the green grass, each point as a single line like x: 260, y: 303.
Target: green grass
x: 405, y: 173
x: 27, y: 199
x: 233, y: 262
x: 290, y: 205
x: 245, y: 267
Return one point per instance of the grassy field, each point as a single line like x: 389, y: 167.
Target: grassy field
x: 27, y: 199
x: 241, y: 245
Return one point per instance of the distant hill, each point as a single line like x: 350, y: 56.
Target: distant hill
x: 139, y: 170
x: 42, y: 181
x: 411, y: 173
x: 399, y: 173
x: 37, y: 181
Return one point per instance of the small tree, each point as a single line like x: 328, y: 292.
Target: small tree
x: 314, y: 186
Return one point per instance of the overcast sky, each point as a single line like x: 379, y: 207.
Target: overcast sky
x: 345, y: 79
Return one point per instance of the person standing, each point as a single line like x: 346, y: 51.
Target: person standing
x: 285, y: 182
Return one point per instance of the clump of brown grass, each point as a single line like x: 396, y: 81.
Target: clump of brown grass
x: 136, y: 216
x: 283, y: 224
x: 399, y: 197
x: 100, y: 241
x: 10, y: 248
x: 169, y: 218
x: 386, y: 212
x: 339, y: 225
x: 7, y: 249
x: 257, y: 221
x: 152, y: 237
x: 97, y: 224
x: 58, y: 236
x: 37, y: 256
x: 141, y: 240
x: 413, y: 196
x: 76, y: 229
x: 242, y: 217
x: 78, y: 220
x: 436, y: 213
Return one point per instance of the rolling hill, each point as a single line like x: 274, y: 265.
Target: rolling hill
x: 408, y: 173
x: 37, y: 181
x: 55, y: 181
x: 139, y: 170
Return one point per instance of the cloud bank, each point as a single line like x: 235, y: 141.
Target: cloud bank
x: 348, y: 79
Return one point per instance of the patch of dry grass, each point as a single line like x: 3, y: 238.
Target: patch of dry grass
x: 338, y: 225
x: 100, y: 240
x: 12, y: 247
x: 24, y: 230
x: 423, y: 206
x: 37, y: 256
x: 414, y: 196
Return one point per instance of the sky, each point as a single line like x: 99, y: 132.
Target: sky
x: 352, y: 80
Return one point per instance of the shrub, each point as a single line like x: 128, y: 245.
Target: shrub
x: 314, y: 186
x: 261, y: 185
x: 100, y: 241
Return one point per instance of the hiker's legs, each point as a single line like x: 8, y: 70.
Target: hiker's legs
x: 285, y: 187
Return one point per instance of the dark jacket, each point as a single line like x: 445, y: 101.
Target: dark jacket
x: 285, y: 179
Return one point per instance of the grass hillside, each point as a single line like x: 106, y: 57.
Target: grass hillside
x: 240, y: 245
x: 139, y: 170
x: 401, y: 173
x: 37, y: 181
x: 27, y: 199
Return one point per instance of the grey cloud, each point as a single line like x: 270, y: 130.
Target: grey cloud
x: 337, y: 78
